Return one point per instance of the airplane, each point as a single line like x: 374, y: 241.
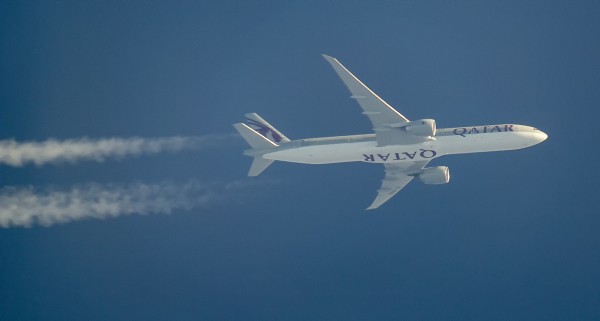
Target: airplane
x: 404, y: 147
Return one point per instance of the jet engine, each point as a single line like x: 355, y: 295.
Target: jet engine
x: 421, y: 127
x: 435, y: 175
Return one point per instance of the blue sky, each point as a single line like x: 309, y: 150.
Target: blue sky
x: 513, y: 236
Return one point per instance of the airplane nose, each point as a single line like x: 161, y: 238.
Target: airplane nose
x: 535, y: 137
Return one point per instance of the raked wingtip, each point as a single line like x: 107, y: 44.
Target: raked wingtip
x: 328, y: 58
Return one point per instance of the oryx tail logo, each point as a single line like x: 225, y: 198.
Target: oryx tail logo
x: 263, y: 129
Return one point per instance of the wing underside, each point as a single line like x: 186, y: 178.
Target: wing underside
x: 396, y: 177
x: 379, y: 112
x: 387, y: 122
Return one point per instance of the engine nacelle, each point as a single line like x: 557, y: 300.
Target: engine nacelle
x: 421, y: 127
x: 435, y: 175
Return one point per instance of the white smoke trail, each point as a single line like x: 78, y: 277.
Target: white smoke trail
x: 28, y: 206
x: 15, y: 153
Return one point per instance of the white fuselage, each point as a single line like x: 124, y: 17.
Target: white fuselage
x: 447, y: 141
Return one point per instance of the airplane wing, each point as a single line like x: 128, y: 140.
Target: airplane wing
x: 396, y: 177
x: 385, y: 118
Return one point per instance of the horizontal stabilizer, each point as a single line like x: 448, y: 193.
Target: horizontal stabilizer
x: 259, y: 164
x: 254, y: 139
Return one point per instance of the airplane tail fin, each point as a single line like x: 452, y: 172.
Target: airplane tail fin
x: 253, y: 138
x: 259, y: 134
x: 265, y: 129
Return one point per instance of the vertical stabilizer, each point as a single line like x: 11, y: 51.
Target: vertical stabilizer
x: 265, y: 129
x: 253, y: 138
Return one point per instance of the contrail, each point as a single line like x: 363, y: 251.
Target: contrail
x: 15, y: 153
x: 27, y: 206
